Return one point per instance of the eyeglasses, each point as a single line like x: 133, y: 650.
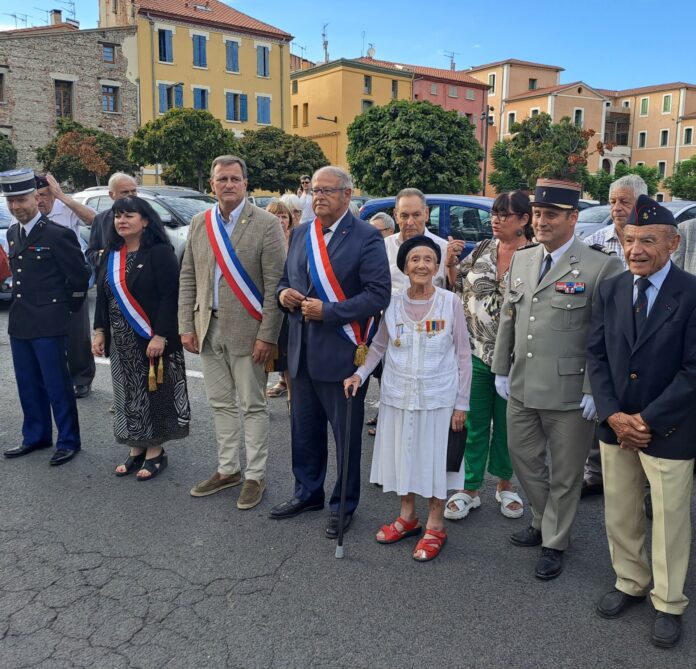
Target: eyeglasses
x: 502, y: 216
x: 325, y: 191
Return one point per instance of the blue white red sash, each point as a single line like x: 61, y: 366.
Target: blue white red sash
x: 230, y: 266
x: 328, y: 288
x: 131, y: 310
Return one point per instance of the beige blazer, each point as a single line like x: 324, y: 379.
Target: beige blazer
x: 259, y: 243
x: 543, y: 332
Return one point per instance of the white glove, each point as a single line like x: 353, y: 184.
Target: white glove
x: 589, y: 410
x: 502, y: 386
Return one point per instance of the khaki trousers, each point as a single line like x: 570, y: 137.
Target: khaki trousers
x: 671, y: 483
x: 548, y: 450
x: 227, y: 377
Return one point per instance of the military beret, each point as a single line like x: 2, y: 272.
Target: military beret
x: 412, y: 243
x: 649, y: 212
x: 41, y: 181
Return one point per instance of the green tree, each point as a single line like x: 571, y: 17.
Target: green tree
x: 276, y: 160
x: 8, y: 154
x: 84, y: 156
x: 185, y: 141
x: 505, y: 176
x: 597, y: 185
x: 415, y: 144
x: 683, y: 182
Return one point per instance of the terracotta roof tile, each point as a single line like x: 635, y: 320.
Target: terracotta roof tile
x: 515, y: 61
x: 549, y: 90
x: 428, y: 72
x: 210, y: 12
x: 649, y: 89
x: 35, y: 29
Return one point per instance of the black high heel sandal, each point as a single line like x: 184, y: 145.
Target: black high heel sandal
x: 132, y: 464
x: 154, y: 466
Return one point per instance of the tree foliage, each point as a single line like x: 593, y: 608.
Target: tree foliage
x: 84, y: 156
x: 185, y: 141
x: 505, y: 175
x: 683, y: 182
x: 276, y: 160
x: 414, y: 144
x: 597, y: 185
x: 8, y: 154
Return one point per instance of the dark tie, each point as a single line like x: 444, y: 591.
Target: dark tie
x: 545, y: 267
x: 640, y: 306
x: 22, y: 234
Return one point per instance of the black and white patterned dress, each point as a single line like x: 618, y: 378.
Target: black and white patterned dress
x: 143, y: 418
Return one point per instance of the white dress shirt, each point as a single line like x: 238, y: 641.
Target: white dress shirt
x: 558, y: 253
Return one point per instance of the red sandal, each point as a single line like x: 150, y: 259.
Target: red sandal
x: 430, y: 545
x: 392, y: 533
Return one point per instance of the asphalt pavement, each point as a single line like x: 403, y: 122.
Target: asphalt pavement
x: 98, y: 571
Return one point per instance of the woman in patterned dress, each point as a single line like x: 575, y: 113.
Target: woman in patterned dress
x: 480, y: 280
x: 149, y: 376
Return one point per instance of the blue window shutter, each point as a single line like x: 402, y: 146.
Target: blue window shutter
x: 204, y: 52
x: 259, y: 60
x: 195, y: 50
x: 229, y: 106
x: 268, y: 110
x: 196, y: 98
x: 243, y: 108
x: 178, y: 96
x: 168, y: 49
x: 235, y: 57
x: 162, y: 98
x: 228, y: 56
x: 263, y: 109
x: 266, y: 62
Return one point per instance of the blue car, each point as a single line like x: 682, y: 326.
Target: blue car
x: 466, y: 217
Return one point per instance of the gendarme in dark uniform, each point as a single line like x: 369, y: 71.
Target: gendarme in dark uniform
x: 50, y: 278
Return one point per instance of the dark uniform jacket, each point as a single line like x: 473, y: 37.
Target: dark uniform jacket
x: 654, y: 374
x: 50, y: 278
x: 98, y: 232
x: 153, y: 281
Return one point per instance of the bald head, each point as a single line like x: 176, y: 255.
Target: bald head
x: 122, y: 185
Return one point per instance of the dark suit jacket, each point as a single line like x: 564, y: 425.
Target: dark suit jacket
x: 154, y: 282
x: 50, y: 278
x: 101, y: 224
x: 359, y: 260
x: 654, y: 375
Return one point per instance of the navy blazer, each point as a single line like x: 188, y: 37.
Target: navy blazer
x: 655, y: 374
x: 359, y: 259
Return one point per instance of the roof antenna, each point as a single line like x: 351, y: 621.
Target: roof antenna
x: 451, y: 55
x: 326, y: 43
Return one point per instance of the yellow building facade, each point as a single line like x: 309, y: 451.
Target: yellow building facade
x: 325, y: 100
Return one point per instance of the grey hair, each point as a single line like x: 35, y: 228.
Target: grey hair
x: 345, y: 180
x: 632, y: 182
x: 291, y: 201
x: 410, y: 192
x: 228, y: 160
x: 118, y: 176
x: 386, y: 219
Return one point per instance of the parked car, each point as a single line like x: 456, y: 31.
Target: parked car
x: 586, y: 204
x: 592, y: 219
x: 466, y: 217
x: 174, y: 204
x: 682, y: 210
x: 5, y: 218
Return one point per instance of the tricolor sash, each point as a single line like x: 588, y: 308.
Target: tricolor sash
x: 230, y: 266
x: 131, y: 310
x: 329, y: 290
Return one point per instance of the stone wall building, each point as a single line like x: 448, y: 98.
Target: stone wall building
x: 59, y: 71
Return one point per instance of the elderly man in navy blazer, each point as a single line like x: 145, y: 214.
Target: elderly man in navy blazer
x: 336, y: 280
x: 642, y: 366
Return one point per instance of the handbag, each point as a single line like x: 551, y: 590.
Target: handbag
x: 456, y: 443
x: 5, y: 270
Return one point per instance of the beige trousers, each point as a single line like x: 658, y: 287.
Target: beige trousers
x: 671, y: 483
x: 548, y: 450
x: 228, y: 377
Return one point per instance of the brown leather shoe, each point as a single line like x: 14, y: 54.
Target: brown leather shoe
x: 215, y: 484
x: 252, y: 492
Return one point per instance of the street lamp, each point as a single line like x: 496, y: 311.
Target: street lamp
x: 486, y: 120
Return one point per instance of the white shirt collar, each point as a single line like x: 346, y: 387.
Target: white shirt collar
x: 30, y: 226
x: 235, y: 213
x: 658, y: 278
x: 556, y: 255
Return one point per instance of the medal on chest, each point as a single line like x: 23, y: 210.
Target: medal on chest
x: 399, y: 332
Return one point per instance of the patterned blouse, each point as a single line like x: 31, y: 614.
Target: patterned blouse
x: 482, y: 294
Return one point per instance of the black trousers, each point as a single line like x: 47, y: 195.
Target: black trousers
x: 80, y: 358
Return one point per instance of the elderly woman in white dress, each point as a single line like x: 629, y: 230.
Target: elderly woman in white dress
x: 424, y: 341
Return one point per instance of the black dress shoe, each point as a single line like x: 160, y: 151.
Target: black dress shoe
x: 332, y: 525
x: 529, y: 536
x: 666, y: 629
x: 549, y: 565
x: 615, y: 602
x: 648, y: 505
x: 82, y: 391
x: 61, y: 456
x: 589, y: 489
x: 293, y: 508
x: 24, y: 449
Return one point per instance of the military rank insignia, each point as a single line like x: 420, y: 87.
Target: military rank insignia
x: 570, y: 287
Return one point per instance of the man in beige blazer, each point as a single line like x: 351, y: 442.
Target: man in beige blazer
x: 539, y: 361
x: 234, y: 344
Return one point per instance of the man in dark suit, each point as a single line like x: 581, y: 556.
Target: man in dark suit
x: 321, y: 353
x: 642, y: 367
x: 50, y: 281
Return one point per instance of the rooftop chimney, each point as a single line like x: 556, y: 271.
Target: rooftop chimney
x: 453, y: 65
x: 56, y: 16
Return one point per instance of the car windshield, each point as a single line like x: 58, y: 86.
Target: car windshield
x: 187, y: 207
x: 593, y: 214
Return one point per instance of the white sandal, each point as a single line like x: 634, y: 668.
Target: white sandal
x: 464, y: 504
x: 507, y: 497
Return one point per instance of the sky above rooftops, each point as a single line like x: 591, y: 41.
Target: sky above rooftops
x: 608, y: 44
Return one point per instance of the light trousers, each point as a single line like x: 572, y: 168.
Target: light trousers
x: 671, y: 483
x: 234, y: 383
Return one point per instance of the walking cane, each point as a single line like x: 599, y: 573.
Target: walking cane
x: 344, y: 479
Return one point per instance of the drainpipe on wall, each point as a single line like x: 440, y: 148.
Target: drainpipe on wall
x: 282, y: 89
x: 152, y: 83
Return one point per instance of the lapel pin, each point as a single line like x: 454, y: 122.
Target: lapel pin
x: 140, y: 266
x: 518, y: 282
x: 576, y: 273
